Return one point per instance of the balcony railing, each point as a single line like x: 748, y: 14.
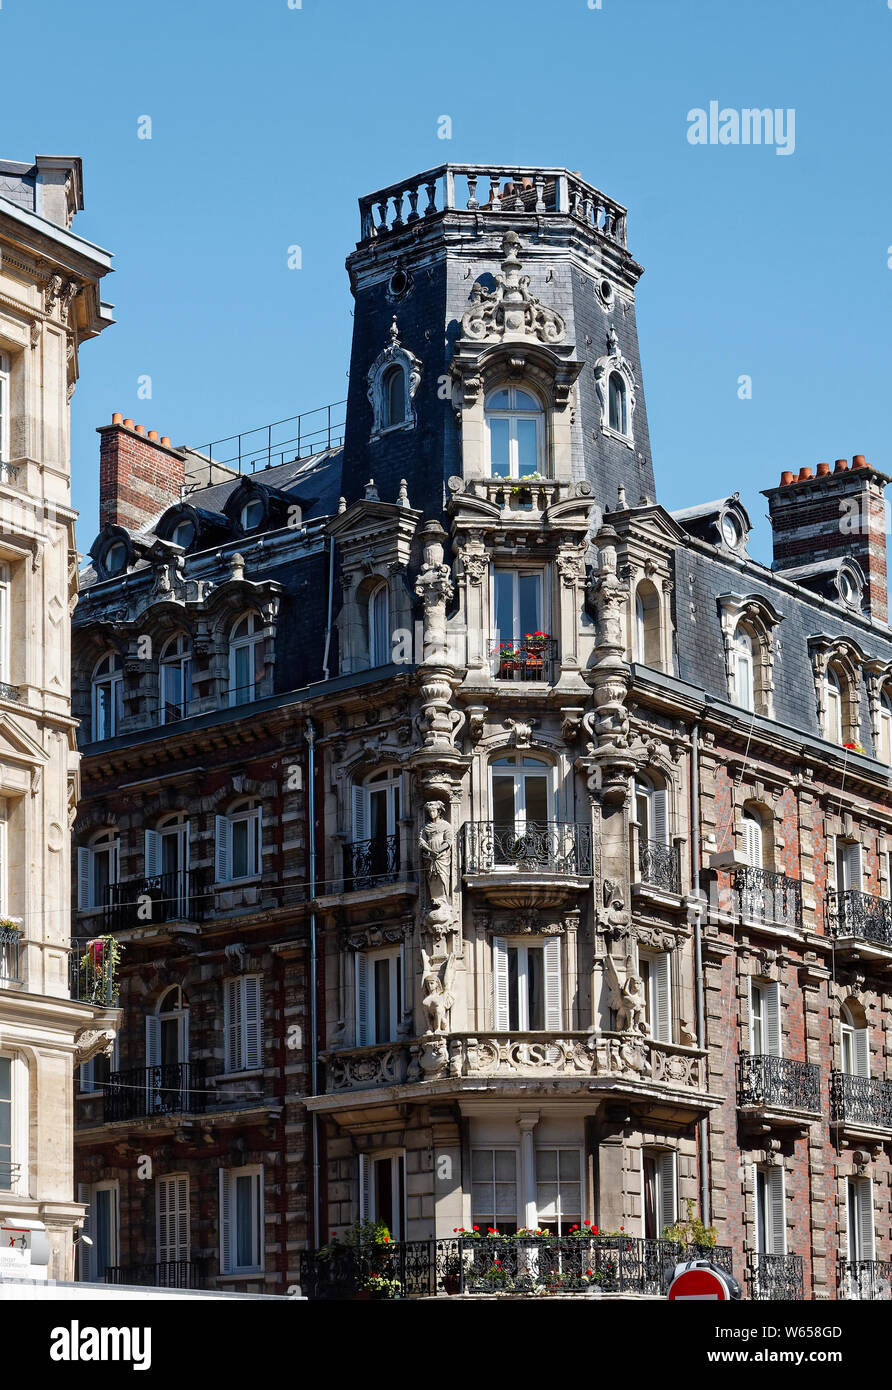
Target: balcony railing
x: 766, y: 896
x: 144, y: 902
x: 851, y: 913
x: 867, y: 1281
x: 778, y: 1083
x: 525, y: 658
x: 91, y: 972
x: 553, y: 847
x: 172, y: 1274
x: 10, y: 956
x: 509, y: 1264
x: 173, y: 1088
x: 371, y: 863
x: 659, y: 865
x: 776, y: 1277
x: 9, y: 1175
x: 9, y: 472
x: 10, y: 692
x: 860, y: 1100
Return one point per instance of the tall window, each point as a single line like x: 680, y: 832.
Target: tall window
x: 522, y: 797
x: 167, y: 859
x: 5, y: 614
x: 98, y: 868
x: 854, y: 1040
x: 239, y: 840
x: 172, y: 1214
x: 380, y: 646
x: 4, y: 408
x: 515, y: 433
x: 379, y: 994
x: 884, y: 749
x: 646, y: 646
x: 494, y: 1189
x: 393, y: 397
x: 652, y: 813
x: 176, y: 679
x: 243, y: 1022
x: 656, y: 972
x: 859, y: 1213
x: 765, y: 1023
x: 833, y: 697
x: 518, y: 604
x: 7, y: 1172
x: 376, y: 807
x: 108, y: 696
x: 101, y: 1225
x: 247, y: 664
x: 848, y: 865
x: 660, y: 1199
x: 526, y: 984
x: 241, y: 1220
x: 167, y: 1030
x: 382, y: 1190
x: 771, y: 1219
x: 558, y: 1189
x: 95, y: 1073
x: 752, y: 840
x: 744, y: 669
x: 617, y: 404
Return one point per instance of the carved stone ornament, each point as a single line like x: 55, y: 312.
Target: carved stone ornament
x: 510, y: 311
x: 90, y: 1042
x: 393, y: 355
x: 437, y: 977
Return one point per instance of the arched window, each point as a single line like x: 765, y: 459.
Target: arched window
x: 247, y: 665
x: 115, y: 558
x: 175, y: 679
x: 515, y: 433
x: 393, y: 392
x: 107, y: 696
x: 753, y: 847
x: 617, y: 404
x: 854, y: 1040
x: 743, y: 667
x: 183, y: 534
x: 884, y: 751
x: 167, y: 1052
x: 646, y: 647
x: 167, y: 867
x: 251, y: 514
x: 379, y: 625
x: 833, y: 698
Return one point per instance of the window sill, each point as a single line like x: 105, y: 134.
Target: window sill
x: 254, y: 881
x: 232, y: 1278
x: 620, y: 438
x: 227, y: 1076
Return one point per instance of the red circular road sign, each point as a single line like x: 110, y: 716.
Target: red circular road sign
x: 702, y: 1285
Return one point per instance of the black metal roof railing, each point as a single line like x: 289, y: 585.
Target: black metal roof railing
x: 297, y: 436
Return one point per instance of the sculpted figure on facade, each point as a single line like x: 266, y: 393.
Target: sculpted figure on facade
x: 437, y: 991
x: 627, y: 995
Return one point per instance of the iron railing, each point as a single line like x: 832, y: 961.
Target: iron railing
x: 174, y: 1088
x: 851, y: 913
x: 778, y: 1083
x: 499, y: 1264
x: 767, y: 896
x: 10, y: 692
x: 554, y: 847
x: 867, y: 1281
x: 525, y: 658
x: 659, y: 865
x: 9, y: 472
x: 171, y: 1274
x: 10, y: 956
x: 774, y: 1277
x: 181, y: 896
x: 9, y: 1175
x: 370, y: 863
x: 91, y: 972
x: 860, y: 1100
x: 311, y: 432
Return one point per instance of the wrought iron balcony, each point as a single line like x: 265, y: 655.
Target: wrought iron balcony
x: 659, y: 865
x: 371, y: 863
x: 92, y: 977
x: 776, y: 1277
x: 175, y: 1088
x: 851, y: 913
x: 778, y: 1083
x: 766, y: 896
x: 501, y: 1264
x: 860, y: 1100
x: 551, y: 847
x: 10, y: 692
x: 10, y: 955
x: 528, y: 658
x: 143, y: 902
x: 9, y: 472
x: 867, y: 1281
x: 172, y: 1274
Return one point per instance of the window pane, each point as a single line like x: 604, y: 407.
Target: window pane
x: 527, y: 452
x: 513, y: 999
x: 536, y: 798
x: 498, y: 401
x: 535, y: 987
x: 503, y: 800
x: 524, y: 401
x: 504, y: 591
x: 102, y: 1231
x: 242, y: 669
x: 481, y: 1165
x: 240, y: 859
x: 382, y: 1000
x: 244, y: 1217
x: 546, y: 1165
x: 499, y: 454
x: 505, y: 1165
x: 528, y: 590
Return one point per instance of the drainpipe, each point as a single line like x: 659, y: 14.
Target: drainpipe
x: 314, y: 1048
x: 331, y: 550
x: 703, y: 1126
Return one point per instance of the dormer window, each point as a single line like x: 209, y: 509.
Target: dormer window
x: 115, y: 559
x: 515, y: 433
x: 379, y: 626
x: 392, y: 382
x: 743, y: 669
x: 108, y: 696
x: 849, y: 588
x: 732, y: 533
x: 884, y: 748
x: 183, y: 534
x: 617, y: 404
x: 394, y: 396
x: 251, y: 514
x: 833, y: 695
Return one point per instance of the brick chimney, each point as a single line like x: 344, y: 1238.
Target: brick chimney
x: 140, y: 474
x: 832, y: 513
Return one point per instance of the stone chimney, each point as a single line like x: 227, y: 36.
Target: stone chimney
x: 834, y: 512
x: 140, y: 474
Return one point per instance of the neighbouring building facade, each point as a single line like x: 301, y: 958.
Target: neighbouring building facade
x: 56, y: 999
x: 488, y: 847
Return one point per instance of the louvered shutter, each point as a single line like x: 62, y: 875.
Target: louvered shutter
x: 752, y: 841
x: 359, y: 814
x: 771, y: 1021
x: 252, y: 1022
x: 182, y: 1218
x: 84, y: 864
x: 500, y: 1007
x: 232, y: 1024
x: 163, y: 1196
x: 852, y: 865
x: 226, y: 1223
x: 668, y: 1200
x: 365, y: 1187
x: 777, y: 1223
x: 84, y: 1251
x: 153, y: 853
x: 861, y: 1051
x: 153, y: 1041
x: 173, y: 1218
x: 662, y: 1001
x: 258, y: 841
x: 86, y: 1076
x: 223, y: 831
x: 552, y: 954
x: 659, y: 805
x: 864, y: 1207
x: 362, y: 999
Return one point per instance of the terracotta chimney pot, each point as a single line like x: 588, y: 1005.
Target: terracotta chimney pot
x: 117, y: 418
x: 153, y: 434
x: 805, y: 474
x: 840, y: 466
x: 128, y: 424
x: 140, y: 429
x: 823, y: 470
x: 859, y: 461
x: 786, y: 479
x: 165, y: 440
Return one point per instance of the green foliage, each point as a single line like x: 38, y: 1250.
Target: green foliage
x: 691, y: 1231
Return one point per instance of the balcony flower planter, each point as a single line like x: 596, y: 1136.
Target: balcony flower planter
x: 452, y: 1283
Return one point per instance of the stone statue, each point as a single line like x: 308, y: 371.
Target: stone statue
x: 627, y: 997
x: 437, y: 996
x: 436, y: 852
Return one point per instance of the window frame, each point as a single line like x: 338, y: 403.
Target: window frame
x: 368, y: 1203
x: 243, y: 1038
x: 743, y: 660
x: 835, y: 692
x: 378, y: 602
x: 5, y: 406
x: 858, y: 1249
x: 540, y: 572
x: 884, y: 730
x: 182, y: 1212
x: 88, y: 1255
x: 181, y: 661
x: 552, y: 983
x: 366, y: 994
x: 512, y: 414
x: 770, y: 1199
x: 250, y: 812
x: 761, y: 1021
x: 114, y: 678
x: 253, y: 640
x: 665, y: 1168
x: 228, y: 1252
x: 493, y: 1149
x: 107, y: 842
x: 658, y: 993
x: 560, y: 1225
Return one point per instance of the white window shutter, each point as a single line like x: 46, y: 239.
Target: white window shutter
x: 662, y: 984
x: 757, y: 1017
x: 253, y: 1022
x: 153, y: 853
x: 258, y: 831
x: 362, y: 999
x: 222, y: 842
x: 659, y: 805
x: 226, y: 1225
x: 84, y: 864
x: 771, y: 1025
x: 365, y: 1187
x: 162, y: 1197
x: 153, y: 1040
x: 359, y: 814
x: 861, y: 1051
x: 552, y: 954
x: 182, y: 1218
x: 777, y: 1211
x: 84, y: 1251
x: 232, y: 1024
x: 500, y: 1009
x: 668, y: 1198
x: 173, y: 1218
x: 866, y: 1250
x: 752, y: 841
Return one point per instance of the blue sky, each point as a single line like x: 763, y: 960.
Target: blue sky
x: 268, y: 122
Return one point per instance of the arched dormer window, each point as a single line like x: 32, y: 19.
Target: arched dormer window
x: 175, y: 677
x: 743, y: 669
x: 647, y: 645
x: 393, y: 396
x: 884, y: 748
x: 617, y: 410
x: 107, y: 696
x: 247, y: 663
x: 854, y: 1040
x: 392, y: 382
x: 515, y: 433
x: 380, y: 645
x: 251, y: 514
x: 834, y: 692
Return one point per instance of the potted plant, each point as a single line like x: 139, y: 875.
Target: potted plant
x: 379, y: 1288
